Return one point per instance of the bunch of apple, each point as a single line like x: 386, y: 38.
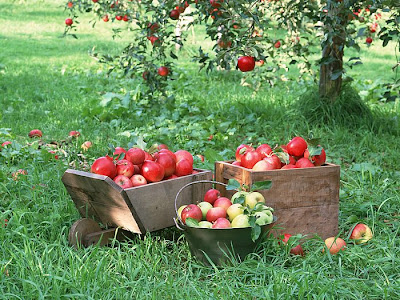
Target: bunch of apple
x: 244, y: 209
x: 136, y: 167
x: 360, y: 234
x: 295, y: 154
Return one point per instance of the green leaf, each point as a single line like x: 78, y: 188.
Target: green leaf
x: 314, y: 150
x: 233, y: 184
x: 261, y: 185
x: 336, y: 74
x: 255, y: 232
x: 191, y: 222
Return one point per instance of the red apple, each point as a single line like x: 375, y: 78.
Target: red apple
x: 223, y: 202
x: 125, y: 167
x: 148, y: 156
x: 236, y: 163
x: 214, y: 213
x: 335, y: 244
x: 264, y: 150
x: 296, y: 146
x: 221, y: 223
x: 152, y: 171
x: 86, y: 145
x: 74, y: 133
x: 216, y: 3
x: 250, y: 158
x: 104, y: 166
x: 183, y: 168
x: 264, y: 165
x: 201, y: 157
x: 211, y: 195
x: 304, y: 163
x: 289, y: 166
x: 318, y: 160
x: 135, y: 155
x: 5, y: 144
x: 297, y: 250
x: 35, y: 133
x: 242, y: 150
x: 368, y: 40
x: 191, y: 211
x: 273, y: 161
x: 123, y: 181
x: 361, y: 233
x: 277, y: 44
x: 168, y: 162
x: 138, y: 180
x: 246, y: 63
x: 183, y: 154
x: 69, y: 22
x: 162, y: 146
x: 118, y: 151
x: 174, y: 14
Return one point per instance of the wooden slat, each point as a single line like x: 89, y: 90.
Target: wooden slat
x: 305, y: 193
x: 99, y: 197
x: 154, y: 204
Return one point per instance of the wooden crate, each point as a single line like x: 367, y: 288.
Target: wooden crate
x: 139, y: 209
x: 305, y: 200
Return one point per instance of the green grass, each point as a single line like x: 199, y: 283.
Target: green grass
x: 51, y: 83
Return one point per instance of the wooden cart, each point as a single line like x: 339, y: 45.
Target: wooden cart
x: 125, y: 212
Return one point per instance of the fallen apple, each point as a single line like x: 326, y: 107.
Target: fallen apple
x: 361, y: 233
x: 335, y: 244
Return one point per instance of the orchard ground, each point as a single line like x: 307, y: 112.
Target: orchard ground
x: 50, y: 83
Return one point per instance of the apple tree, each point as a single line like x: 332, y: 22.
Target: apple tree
x: 263, y: 38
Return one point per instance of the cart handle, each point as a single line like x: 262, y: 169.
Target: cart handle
x: 178, y: 219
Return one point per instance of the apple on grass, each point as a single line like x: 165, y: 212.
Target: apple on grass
x: 253, y: 198
x: 361, y: 233
x: 335, y: 244
x: 138, y: 180
x: 297, y: 250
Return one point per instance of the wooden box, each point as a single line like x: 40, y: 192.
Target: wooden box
x: 139, y: 209
x: 305, y: 200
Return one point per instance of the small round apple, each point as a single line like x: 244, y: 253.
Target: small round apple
x: 214, y: 213
x: 240, y: 221
x: 361, y: 234
x: 191, y: 211
x: 138, y: 180
x: 223, y: 202
x: 221, y: 223
x: 205, y: 224
x: 253, y: 198
x: 180, y: 210
x: 204, y: 206
x: 264, y: 217
x: 234, y: 210
x: 211, y: 195
x: 335, y: 244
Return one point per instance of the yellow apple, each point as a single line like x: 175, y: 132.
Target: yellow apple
x: 241, y: 221
x: 234, y: 210
x: 252, y: 199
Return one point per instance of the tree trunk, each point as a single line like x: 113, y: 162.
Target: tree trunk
x: 330, y: 80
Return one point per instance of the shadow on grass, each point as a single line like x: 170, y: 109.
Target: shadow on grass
x: 348, y: 111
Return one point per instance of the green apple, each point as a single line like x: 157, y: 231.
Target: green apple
x: 241, y: 221
x: 204, y: 206
x: 263, y: 218
x: 237, y: 195
x: 234, y: 210
x: 180, y: 210
x: 252, y: 199
x: 205, y: 224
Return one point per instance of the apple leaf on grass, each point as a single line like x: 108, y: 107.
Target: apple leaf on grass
x: 191, y: 222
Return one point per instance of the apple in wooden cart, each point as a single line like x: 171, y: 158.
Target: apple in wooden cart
x: 125, y: 167
x: 138, y: 180
x: 123, y: 181
x: 152, y: 171
x: 135, y: 155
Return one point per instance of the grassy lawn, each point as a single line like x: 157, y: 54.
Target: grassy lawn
x: 50, y: 83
